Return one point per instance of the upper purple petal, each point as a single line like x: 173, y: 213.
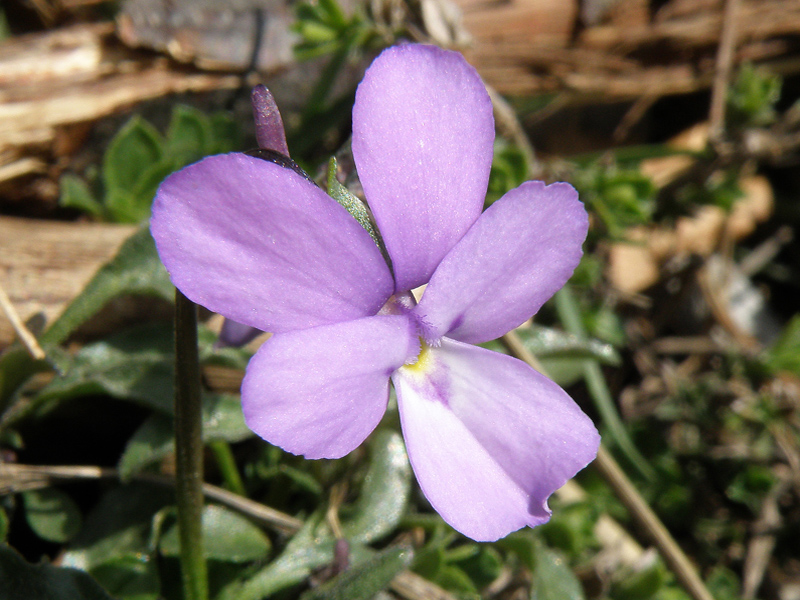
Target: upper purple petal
x: 321, y: 391
x: 489, y: 438
x: 423, y: 135
x: 520, y: 251
x: 259, y: 244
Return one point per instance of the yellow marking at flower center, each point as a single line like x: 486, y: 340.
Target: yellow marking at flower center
x: 424, y: 360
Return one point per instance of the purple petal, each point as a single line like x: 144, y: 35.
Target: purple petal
x: 269, y: 125
x: 320, y: 392
x: 259, y: 244
x: 489, y: 438
x: 521, y: 251
x: 422, y: 141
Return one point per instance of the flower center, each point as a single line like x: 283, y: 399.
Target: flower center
x: 424, y: 360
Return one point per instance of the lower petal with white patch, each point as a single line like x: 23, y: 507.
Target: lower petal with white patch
x: 489, y: 438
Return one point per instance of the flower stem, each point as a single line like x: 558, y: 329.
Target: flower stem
x: 227, y: 466
x: 189, y: 450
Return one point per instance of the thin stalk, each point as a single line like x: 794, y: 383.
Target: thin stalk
x: 569, y: 314
x: 669, y: 549
x: 189, y: 450
x: 227, y: 466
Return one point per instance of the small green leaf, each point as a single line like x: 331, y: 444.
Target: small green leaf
x: 310, y: 548
x: 52, y: 514
x: 3, y: 525
x: 124, y: 206
x: 364, y: 580
x: 225, y: 134
x: 452, y: 578
x: 152, y: 441
x: 135, y: 148
x: 227, y: 537
x: 16, y: 367
x: 784, y: 354
x: 136, y: 269
x: 134, y: 365
x: 118, y: 526
x: 155, y: 438
x: 130, y: 577
x: 553, y: 579
x: 484, y: 567
x: 641, y: 585
x: 74, y: 193
x: 385, y: 492
x: 188, y: 135
x: 350, y: 201
x: 22, y: 581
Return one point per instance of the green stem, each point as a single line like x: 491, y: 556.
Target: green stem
x: 227, y: 466
x: 189, y: 450
x: 569, y: 314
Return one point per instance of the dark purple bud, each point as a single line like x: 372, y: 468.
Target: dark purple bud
x: 236, y: 334
x: 341, y: 556
x: 269, y: 125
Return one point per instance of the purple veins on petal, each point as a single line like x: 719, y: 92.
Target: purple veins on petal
x: 489, y: 438
x: 233, y: 243
x: 518, y: 253
x: 423, y: 135
x: 320, y: 392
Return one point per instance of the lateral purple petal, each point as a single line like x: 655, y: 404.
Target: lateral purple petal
x: 489, y: 438
x: 259, y: 244
x: 423, y: 135
x: 320, y: 392
x: 520, y: 251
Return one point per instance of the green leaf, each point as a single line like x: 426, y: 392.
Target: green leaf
x: 3, y: 525
x: 118, y: 526
x: 452, y: 578
x: 20, y: 580
x: 364, y: 580
x: 641, y: 585
x: 382, y: 503
x: 135, y: 365
x: 130, y: 577
x: 553, y: 579
x: 784, y: 354
x: 152, y: 441
x: 310, y: 548
x: 563, y: 355
x: 155, y: 438
x: 52, y: 514
x: 385, y: 492
x: 484, y: 567
x: 225, y: 134
x: 350, y: 201
x: 74, y: 193
x: 227, y: 536
x: 188, y: 135
x: 16, y: 367
x: 135, y: 148
x: 136, y: 269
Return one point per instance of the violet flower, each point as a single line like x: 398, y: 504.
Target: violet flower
x: 488, y: 437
